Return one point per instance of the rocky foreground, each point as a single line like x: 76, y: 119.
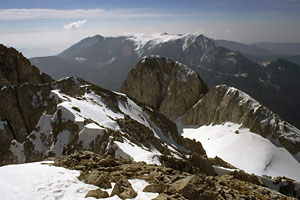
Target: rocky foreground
x: 174, y: 179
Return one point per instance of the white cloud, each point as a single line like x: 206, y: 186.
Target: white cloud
x: 228, y: 30
x: 22, y: 14
x: 74, y: 24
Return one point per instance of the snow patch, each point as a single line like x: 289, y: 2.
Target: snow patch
x: 138, y: 153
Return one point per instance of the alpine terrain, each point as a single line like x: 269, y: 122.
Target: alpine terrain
x: 166, y: 136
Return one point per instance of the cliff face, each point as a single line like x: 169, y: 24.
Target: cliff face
x: 226, y: 104
x: 168, y: 86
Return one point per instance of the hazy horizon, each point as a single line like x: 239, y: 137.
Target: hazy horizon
x: 47, y: 28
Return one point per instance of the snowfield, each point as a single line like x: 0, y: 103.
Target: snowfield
x: 41, y: 181
x: 245, y: 150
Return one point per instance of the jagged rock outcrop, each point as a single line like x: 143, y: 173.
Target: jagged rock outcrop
x: 223, y: 103
x: 168, y: 86
x: 170, y: 183
x: 15, y: 69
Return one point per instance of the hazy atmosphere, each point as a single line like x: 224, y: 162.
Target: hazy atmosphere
x: 48, y: 27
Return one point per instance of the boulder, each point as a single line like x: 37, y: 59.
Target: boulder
x: 98, y: 179
x: 194, y: 187
x: 97, y: 193
x: 123, y: 189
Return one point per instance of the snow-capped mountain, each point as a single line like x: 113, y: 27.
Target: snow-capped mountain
x: 106, y: 61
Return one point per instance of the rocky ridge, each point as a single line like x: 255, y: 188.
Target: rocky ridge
x: 223, y: 103
x: 168, y: 86
x: 73, y: 114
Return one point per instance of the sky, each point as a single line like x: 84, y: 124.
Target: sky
x: 46, y: 27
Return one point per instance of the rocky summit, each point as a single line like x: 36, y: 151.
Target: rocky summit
x: 170, y: 87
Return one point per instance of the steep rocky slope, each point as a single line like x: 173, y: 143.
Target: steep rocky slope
x: 73, y: 114
x: 168, y: 86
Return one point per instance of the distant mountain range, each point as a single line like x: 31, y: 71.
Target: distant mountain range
x: 263, y: 51
x: 105, y: 61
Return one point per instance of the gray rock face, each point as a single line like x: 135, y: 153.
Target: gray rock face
x: 223, y: 103
x: 168, y: 86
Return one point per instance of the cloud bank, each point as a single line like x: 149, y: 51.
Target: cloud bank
x: 74, y: 25
x: 25, y: 14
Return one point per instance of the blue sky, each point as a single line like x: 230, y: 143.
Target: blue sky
x: 52, y: 26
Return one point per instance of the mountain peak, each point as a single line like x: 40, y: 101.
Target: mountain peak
x: 169, y: 86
